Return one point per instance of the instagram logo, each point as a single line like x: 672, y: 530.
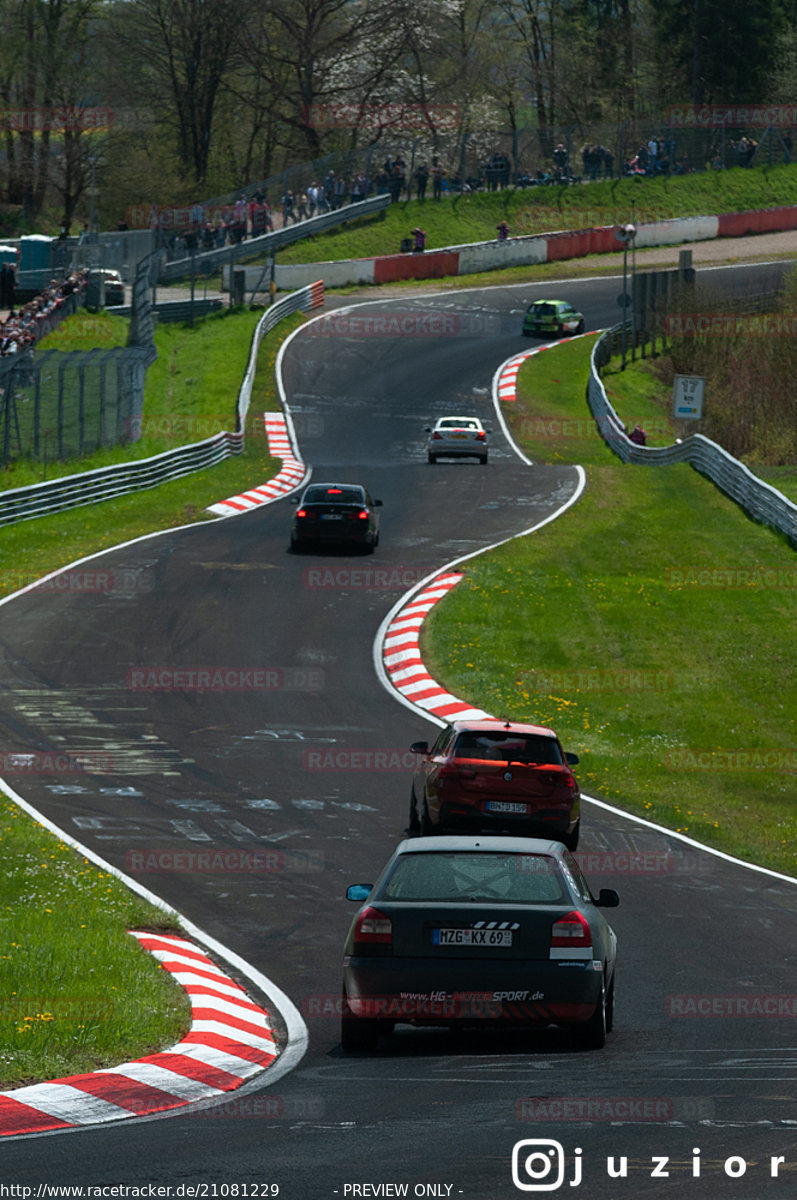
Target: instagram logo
x: 538, y: 1165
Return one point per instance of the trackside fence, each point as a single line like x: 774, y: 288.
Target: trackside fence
x: 762, y: 501
x: 89, y: 487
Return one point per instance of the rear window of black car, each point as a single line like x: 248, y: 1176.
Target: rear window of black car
x: 476, y: 878
x: 322, y: 495
x: 509, y: 747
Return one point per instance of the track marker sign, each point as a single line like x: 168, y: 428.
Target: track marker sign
x: 688, y: 392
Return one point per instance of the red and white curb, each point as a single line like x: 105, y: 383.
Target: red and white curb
x: 292, y: 472
x: 507, y: 380
x: 401, y: 656
x: 229, y: 1041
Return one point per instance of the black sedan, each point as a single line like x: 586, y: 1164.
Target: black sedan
x: 340, y: 513
x: 475, y: 931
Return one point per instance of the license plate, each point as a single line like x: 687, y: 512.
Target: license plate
x: 504, y: 806
x: 331, y: 516
x: 457, y: 435
x: 472, y: 937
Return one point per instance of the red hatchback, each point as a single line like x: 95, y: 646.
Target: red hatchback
x: 496, y: 776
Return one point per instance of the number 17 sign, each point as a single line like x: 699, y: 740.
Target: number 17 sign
x: 687, y: 396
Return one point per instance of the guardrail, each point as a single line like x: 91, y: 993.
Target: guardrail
x: 206, y: 261
x: 105, y: 483
x: 762, y: 501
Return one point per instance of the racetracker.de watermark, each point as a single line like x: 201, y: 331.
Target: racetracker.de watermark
x: 176, y: 428
x: 226, y: 679
x: 242, y: 1108
x: 409, y: 323
x: 389, y: 758
x: 557, y: 429
x: 82, y: 582
x: 733, y: 116
x: 765, y: 578
x: 683, y: 758
x: 40, y: 1009
x: 359, y: 579
x: 60, y: 762
x: 596, y: 679
x: 547, y: 220
x: 760, y: 1005
x: 775, y: 325
x: 21, y: 120
x: 614, y: 1108
x: 253, y: 860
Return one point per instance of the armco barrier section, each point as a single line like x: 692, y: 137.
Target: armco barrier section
x: 207, y: 260
x: 762, y: 501
x: 89, y: 487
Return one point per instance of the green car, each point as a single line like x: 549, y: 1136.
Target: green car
x: 550, y: 317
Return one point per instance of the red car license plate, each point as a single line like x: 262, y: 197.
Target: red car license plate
x: 504, y: 806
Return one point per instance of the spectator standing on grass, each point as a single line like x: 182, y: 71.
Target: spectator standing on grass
x: 288, y: 212
x: 239, y: 218
x: 787, y: 146
x: 301, y: 206
x: 503, y: 232
x: 419, y: 240
x: 421, y: 179
x: 437, y: 178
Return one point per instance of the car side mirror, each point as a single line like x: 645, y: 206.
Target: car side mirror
x: 571, y: 759
x: 359, y: 891
x: 419, y: 748
x: 295, y: 499
x: 427, y: 429
x: 607, y: 898
x: 377, y: 503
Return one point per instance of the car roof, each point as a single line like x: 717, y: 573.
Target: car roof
x: 496, y: 726
x: 480, y: 844
x: 459, y: 417
x: 549, y: 301
x: 334, y: 485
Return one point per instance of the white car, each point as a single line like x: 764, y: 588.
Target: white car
x: 458, y: 437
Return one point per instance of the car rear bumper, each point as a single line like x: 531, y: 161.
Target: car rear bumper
x: 458, y: 449
x: 541, y: 822
x: 436, y: 991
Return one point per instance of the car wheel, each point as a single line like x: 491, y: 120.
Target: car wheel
x: 592, y: 1034
x: 369, y: 547
x: 427, y: 828
x: 571, y: 839
x: 580, y: 327
x: 295, y: 545
x: 357, y: 1033
x: 414, y: 824
x: 610, y: 1008
x: 483, y: 460
x: 432, y: 458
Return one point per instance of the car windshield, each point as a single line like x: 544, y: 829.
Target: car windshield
x: 333, y: 495
x: 463, y: 423
x: 544, y: 309
x: 502, y: 746
x: 471, y: 878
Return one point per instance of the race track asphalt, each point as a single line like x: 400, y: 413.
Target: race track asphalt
x: 291, y: 768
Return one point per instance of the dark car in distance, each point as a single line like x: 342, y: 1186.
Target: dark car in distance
x: 480, y: 932
x: 496, y: 776
x: 340, y: 513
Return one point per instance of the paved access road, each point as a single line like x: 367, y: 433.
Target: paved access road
x: 291, y: 768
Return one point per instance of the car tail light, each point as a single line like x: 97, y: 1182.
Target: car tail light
x: 363, y: 514
x: 456, y: 773
x: 301, y: 512
x: 437, y: 437
x: 481, y: 436
x: 373, y: 928
x: 571, y: 930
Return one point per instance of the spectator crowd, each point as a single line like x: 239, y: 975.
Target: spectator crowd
x: 23, y: 328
